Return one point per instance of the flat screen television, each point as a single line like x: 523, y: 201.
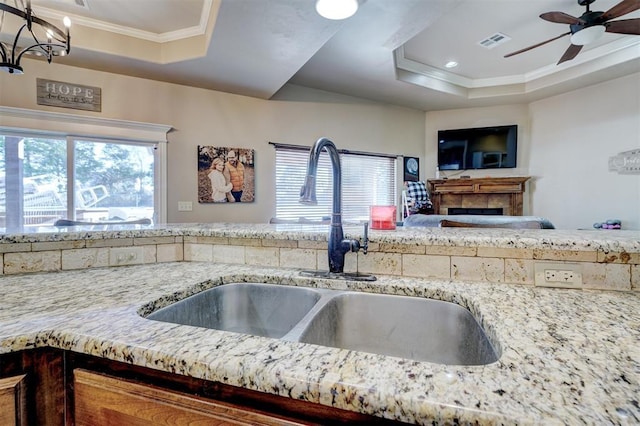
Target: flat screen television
x: 478, y: 148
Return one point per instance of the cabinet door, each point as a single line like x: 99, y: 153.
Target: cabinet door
x: 13, y: 405
x: 105, y: 400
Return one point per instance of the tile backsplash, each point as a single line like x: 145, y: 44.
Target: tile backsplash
x: 481, y: 264
x: 600, y: 270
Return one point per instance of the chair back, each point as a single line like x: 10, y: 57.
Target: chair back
x: 415, y: 199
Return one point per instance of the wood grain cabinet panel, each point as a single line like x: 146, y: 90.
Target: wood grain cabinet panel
x: 105, y: 400
x: 13, y: 401
x: 41, y: 388
x: 51, y: 387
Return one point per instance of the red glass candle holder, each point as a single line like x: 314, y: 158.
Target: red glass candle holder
x: 382, y: 217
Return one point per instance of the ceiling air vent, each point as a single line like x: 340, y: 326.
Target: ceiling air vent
x: 494, y: 40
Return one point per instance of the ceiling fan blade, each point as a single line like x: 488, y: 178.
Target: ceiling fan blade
x: 624, y: 26
x: 622, y: 8
x: 562, y: 18
x: 570, y: 53
x: 536, y: 45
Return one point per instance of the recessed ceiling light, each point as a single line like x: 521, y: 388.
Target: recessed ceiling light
x: 451, y: 64
x: 336, y: 9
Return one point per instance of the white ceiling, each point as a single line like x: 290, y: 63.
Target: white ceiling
x: 391, y: 51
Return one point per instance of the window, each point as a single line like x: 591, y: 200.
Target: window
x: 367, y: 179
x: 116, y: 177
x: 110, y: 180
x: 79, y: 167
x: 33, y: 180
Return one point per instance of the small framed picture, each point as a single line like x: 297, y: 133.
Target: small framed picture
x: 226, y: 175
x: 411, y: 169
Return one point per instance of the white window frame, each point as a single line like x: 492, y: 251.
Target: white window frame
x: 296, y: 156
x: 20, y: 121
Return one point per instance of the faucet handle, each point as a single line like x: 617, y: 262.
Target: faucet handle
x: 354, y: 245
x: 365, y: 243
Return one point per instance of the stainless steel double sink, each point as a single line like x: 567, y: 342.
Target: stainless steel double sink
x: 409, y: 327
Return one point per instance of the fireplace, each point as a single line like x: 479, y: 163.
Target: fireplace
x: 494, y: 211
x: 496, y: 196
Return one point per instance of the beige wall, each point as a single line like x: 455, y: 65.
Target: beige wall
x: 205, y: 117
x: 572, y: 137
x: 564, y: 141
x: 564, y: 144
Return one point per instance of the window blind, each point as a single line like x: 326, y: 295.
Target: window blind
x: 367, y: 179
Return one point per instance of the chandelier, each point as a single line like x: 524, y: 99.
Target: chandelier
x: 45, y: 39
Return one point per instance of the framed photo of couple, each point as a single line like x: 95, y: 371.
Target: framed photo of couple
x: 225, y: 175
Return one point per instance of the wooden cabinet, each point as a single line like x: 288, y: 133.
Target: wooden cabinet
x: 13, y: 401
x: 34, y: 380
x: 505, y: 193
x: 132, y: 394
x: 54, y: 387
x: 105, y: 400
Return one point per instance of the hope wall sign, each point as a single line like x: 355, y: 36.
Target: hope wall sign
x: 68, y: 95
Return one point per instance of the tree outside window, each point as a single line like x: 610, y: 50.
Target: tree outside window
x: 112, y: 181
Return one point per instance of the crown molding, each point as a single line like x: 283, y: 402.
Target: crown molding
x: 167, y: 37
x: 622, y: 50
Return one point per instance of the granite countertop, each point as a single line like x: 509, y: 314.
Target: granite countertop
x: 579, y: 240
x: 568, y: 356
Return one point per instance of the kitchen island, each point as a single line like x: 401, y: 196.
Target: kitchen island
x: 566, y: 356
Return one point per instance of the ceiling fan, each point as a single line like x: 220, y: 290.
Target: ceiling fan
x: 590, y: 26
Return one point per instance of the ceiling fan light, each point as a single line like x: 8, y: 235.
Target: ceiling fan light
x: 587, y: 35
x: 336, y: 9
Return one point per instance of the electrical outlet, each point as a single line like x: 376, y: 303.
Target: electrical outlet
x: 185, y: 206
x: 121, y: 256
x: 558, y: 274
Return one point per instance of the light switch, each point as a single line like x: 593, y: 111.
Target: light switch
x: 185, y: 206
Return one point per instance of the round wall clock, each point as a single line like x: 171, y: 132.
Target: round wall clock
x: 412, y: 166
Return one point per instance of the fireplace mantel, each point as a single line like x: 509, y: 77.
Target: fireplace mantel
x: 498, y: 192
